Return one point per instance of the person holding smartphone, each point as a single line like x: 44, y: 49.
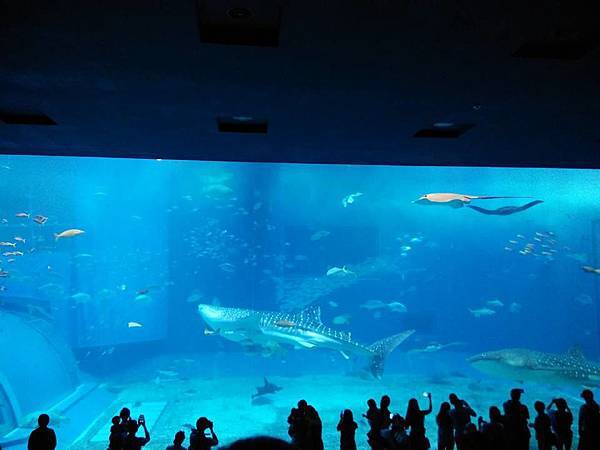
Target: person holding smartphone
x: 131, y: 441
x: 203, y: 437
x: 415, y: 419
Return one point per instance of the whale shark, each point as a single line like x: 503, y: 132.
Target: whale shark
x: 271, y: 332
x: 522, y: 364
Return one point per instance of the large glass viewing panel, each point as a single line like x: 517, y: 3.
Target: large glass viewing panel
x: 175, y: 287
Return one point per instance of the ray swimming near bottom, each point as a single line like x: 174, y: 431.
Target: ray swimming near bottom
x: 270, y: 332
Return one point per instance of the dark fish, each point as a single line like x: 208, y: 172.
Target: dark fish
x: 266, y: 388
x: 41, y: 220
x: 505, y: 210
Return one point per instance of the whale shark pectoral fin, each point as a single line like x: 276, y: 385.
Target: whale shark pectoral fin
x: 344, y: 355
x: 305, y: 344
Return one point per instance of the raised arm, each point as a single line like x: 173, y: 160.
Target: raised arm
x: 214, y: 438
x: 430, y: 408
x: 146, y: 434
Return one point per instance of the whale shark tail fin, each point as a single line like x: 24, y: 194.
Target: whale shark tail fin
x: 382, y: 348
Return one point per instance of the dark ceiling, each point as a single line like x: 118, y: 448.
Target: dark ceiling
x: 345, y: 81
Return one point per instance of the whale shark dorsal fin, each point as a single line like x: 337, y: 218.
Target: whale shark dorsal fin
x: 311, y: 314
x: 576, y: 353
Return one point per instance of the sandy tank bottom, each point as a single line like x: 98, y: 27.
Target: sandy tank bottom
x: 171, y: 403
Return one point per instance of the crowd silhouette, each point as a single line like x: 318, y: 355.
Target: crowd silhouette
x: 510, y: 429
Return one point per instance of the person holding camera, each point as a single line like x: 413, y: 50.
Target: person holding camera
x: 200, y: 439
x: 415, y: 420
x: 562, y: 421
x: 461, y: 414
x: 131, y: 441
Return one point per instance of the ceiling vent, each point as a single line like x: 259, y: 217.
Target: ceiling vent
x: 447, y: 130
x: 242, y: 124
x: 567, y: 49
x: 21, y: 118
x: 239, y: 22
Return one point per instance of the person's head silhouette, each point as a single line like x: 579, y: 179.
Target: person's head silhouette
x: 179, y: 438
x: 454, y: 400
x: 125, y: 414
x: 515, y: 394
x: 202, y: 424
x: 587, y: 395
x: 43, y: 420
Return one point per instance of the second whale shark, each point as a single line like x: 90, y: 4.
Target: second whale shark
x: 270, y: 331
x: 523, y: 364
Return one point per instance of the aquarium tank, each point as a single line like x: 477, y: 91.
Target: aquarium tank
x: 183, y: 289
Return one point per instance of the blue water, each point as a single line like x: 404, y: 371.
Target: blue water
x: 162, y: 236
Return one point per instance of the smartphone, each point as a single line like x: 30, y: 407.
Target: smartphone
x: 426, y: 394
x: 141, y: 419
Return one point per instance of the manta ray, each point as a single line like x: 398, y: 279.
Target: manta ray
x: 266, y: 388
x: 454, y: 200
x: 522, y: 364
x: 505, y: 210
x: 271, y: 332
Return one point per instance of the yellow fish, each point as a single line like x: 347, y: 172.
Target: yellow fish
x: 68, y: 233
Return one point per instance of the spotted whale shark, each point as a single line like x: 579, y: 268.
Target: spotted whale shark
x: 270, y: 332
x: 529, y: 365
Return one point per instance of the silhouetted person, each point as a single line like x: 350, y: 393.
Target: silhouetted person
x: 347, y: 429
x: 562, y: 421
x: 472, y: 438
x: 314, y: 435
x: 178, y: 442
x: 115, y: 440
x: 589, y: 422
x: 386, y: 420
x: 415, y: 420
x: 373, y: 416
x: 131, y: 441
x: 200, y: 439
x: 384, y: 409
x: 543, y: 427
x: 516, y: 421
x: 493, y: 434
x: 43, y: 437
x: 399, y: 436
x: 445, y: 430
x: 461, y: 414
x: 298, y: 426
